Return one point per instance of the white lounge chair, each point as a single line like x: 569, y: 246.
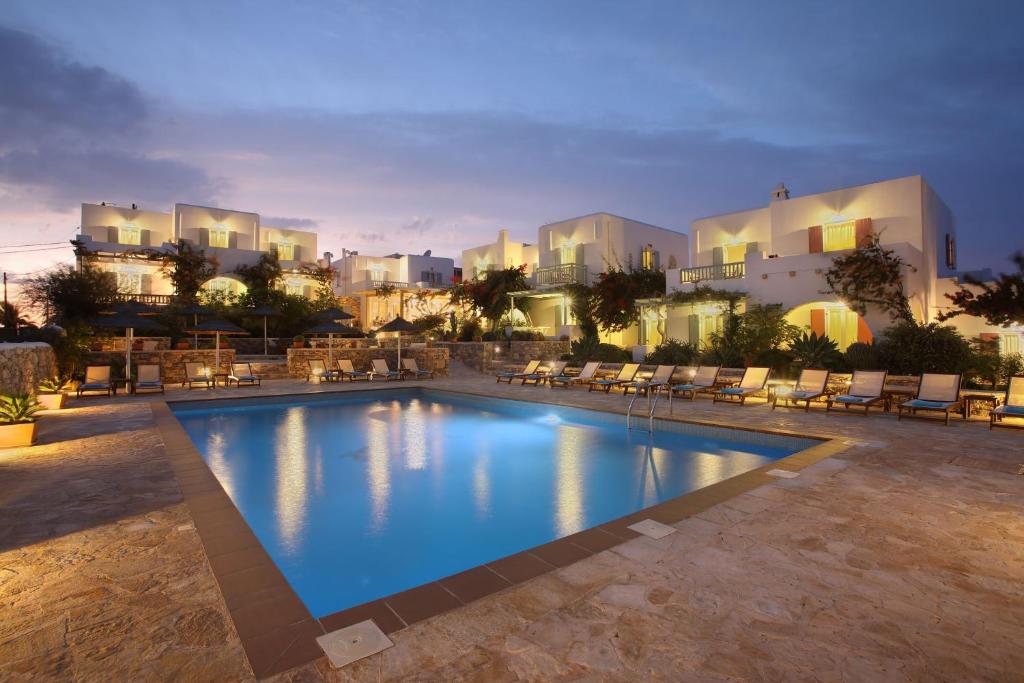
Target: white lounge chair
x: 866, y: 389
x: 753, y: 382
x: 704, y: 380
x: 318, y: 371
x: 661, y: 379
x: 1013, y: 406
x: 346, y: 371
x: 544, y: 374
x: 810, y: 386
x: 626, y: 374
x: 241, y: 373
x: 147, y: 379
x: 938, y: 393
x: 412, y: 368
x: 380, y: 367
x: 97, y: 380
x: 586, y: 375
x: 530, y: 368
x: 197, y: 373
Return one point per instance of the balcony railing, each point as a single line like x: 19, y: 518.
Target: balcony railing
x: 152, y: 299
x: 565, y: 274
x: 377, y: 284
x: 720, y: 271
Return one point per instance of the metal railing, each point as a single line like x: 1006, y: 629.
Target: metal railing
x: 154, y: 299
x: 388, y: 283
x: 720, y: 271
x: 565, y: 274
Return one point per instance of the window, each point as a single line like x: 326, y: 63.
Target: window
x: 430, y: 276
x: 734, y: 253
x: 839, y: 236
x: 1009, y: 343
x: 841, y: 326
x: 647, y: 258
x: 129, y: 234
x: 285, y: 250
x: 568, y: 255
x: 709, y: 323
x: 129, y: 282
x: 220, y: 285
x: 219, y: 237
x: 950, y: 251
x: 293, y: 287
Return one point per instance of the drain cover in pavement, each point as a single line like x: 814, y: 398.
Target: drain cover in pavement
x: 353, y: 643
x: 649, y: 527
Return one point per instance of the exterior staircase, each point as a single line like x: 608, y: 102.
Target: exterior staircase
x: 267, y: 367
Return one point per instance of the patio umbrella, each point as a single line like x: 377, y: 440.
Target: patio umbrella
x: 195, y: 310
x: 333, y: 313
x: 131, y: 308
x: 331, y: 328
x: 130, y: 323
x: 216, y: 328
x: 262, y: 312
x: 399, y: 325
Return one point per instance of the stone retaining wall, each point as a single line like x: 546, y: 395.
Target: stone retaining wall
x: 24, y: 365
x: 435, y: 359
x: 171, y: 362
x: 488, y: 356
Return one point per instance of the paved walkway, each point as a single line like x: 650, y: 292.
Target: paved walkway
x: 901, y: 559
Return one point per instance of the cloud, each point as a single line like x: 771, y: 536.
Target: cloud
x: 76, y: 132
x: 284, y: 222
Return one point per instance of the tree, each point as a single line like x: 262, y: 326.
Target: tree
x: 911, y: 349
x: 261, y: 279
x: 490, y: 294
x: 760, y: 334
x: 324, y: 277
x: 871, y: 275
x: 615, y: 293
x: 11, y: 317
x: 67, y: 295
x: 1000, y: 304
x: 187, y: 268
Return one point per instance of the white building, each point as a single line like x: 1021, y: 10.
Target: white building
x: 778, y: 254
x: 409, y: 285
x: 119, y: 238
x: 503, y: 253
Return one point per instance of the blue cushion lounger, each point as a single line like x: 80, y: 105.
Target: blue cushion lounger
x: 543, y: 374
x: 1013, y: 405
x: 753, y: 382
x: 937, y: 393
x: 661, y: 378
x: 242, y: 373
x: 865, y: 390
x: 345, y: 370
x: 411, y: 367
x: 586, y: 375
x: 809, y: 386
x: 318, y: 370
x: 626, y: 374
x: 380, y: 367
x: 704, y: 380
x: 147, y: 378
x: 530, y: 368
x: 97, y: 379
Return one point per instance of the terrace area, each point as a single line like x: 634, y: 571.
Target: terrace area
x: 900, y: 556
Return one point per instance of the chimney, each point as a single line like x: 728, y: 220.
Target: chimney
x: 328, y: 256
x: 780, y: 192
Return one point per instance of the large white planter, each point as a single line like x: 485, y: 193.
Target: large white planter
x: 15, y: 435
x: 51, y: 401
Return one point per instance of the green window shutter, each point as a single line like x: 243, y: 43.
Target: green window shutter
x: 112, y: 235
x: 296, y: 251
x: 204, y: 237
x: 233, y: 240
x: 815, y: 240
x: 693, y: 322
x: 272, y: 247
x: 146, y: 286
x: 307, y: 291
x: 751, y: 247
x: 718, y: 256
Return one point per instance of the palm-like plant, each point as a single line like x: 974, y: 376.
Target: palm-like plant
x: 18, y: 409
x: 54, y: 385
x: 812, y: 351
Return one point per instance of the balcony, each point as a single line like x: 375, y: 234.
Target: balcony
x: 152, y: 299
x: 565, y: 274
x: 720, y: 271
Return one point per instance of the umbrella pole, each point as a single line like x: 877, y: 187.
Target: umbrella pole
x: 399, y: 368
x: 195, y: 337
x: 330, y: 348
x: 264, y: 335
x: 216, y: 356
x: 128, y: 354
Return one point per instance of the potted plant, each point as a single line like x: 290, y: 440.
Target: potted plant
x: 17, y: 420
x: 298, y: 341
x: 51, y: 392
x: 182, y: 345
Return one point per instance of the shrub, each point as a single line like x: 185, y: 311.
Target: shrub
x: 812, y: 351
x: 673, y: 352
x: 861, y: 356
x: 54, y: 385
x: 591, y: 349
x: 470, y: 331
x: 18, y: 409
x: 912, y: 349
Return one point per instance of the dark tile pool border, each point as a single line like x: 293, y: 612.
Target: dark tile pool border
x: 277, y: 630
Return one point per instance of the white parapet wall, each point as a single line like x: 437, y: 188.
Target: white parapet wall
x: 23, y: 366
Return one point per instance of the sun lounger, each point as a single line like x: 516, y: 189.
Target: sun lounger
x: 938, y: 393
x: 586, y: 374
x: 543, y: 374
x: 753, y: 382
x: 97, y: 380
x: 412, y: 368
x: 626, y: 374
x: 865, y: 390
x: 242, y: 373
x: 147, y: 379
x: 318, y: 371
x: 346, y: 371
x: 1013, y: 406
x: 810, y: 386
x: 530, y: 368
x: 704, y: 380
x: 661, y: 379
x: 197, y: 373
x: 380, y: 367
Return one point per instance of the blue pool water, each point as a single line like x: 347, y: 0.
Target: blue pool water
x: 360, y: 496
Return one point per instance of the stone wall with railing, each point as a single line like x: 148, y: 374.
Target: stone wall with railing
x: 489, y: 356
x: 171, y: 362
x: 435, y: 359
x: 24, y: 365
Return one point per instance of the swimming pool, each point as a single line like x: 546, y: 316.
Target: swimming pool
x: 360, y: 495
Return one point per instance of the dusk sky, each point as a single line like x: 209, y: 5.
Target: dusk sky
x: 429, y: 125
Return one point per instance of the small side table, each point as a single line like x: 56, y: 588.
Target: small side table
x: 222, y: 376
x: 125, y: 382
x: 971, y: 397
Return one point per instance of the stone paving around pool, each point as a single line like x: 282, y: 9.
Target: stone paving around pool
x: 899, y: 559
